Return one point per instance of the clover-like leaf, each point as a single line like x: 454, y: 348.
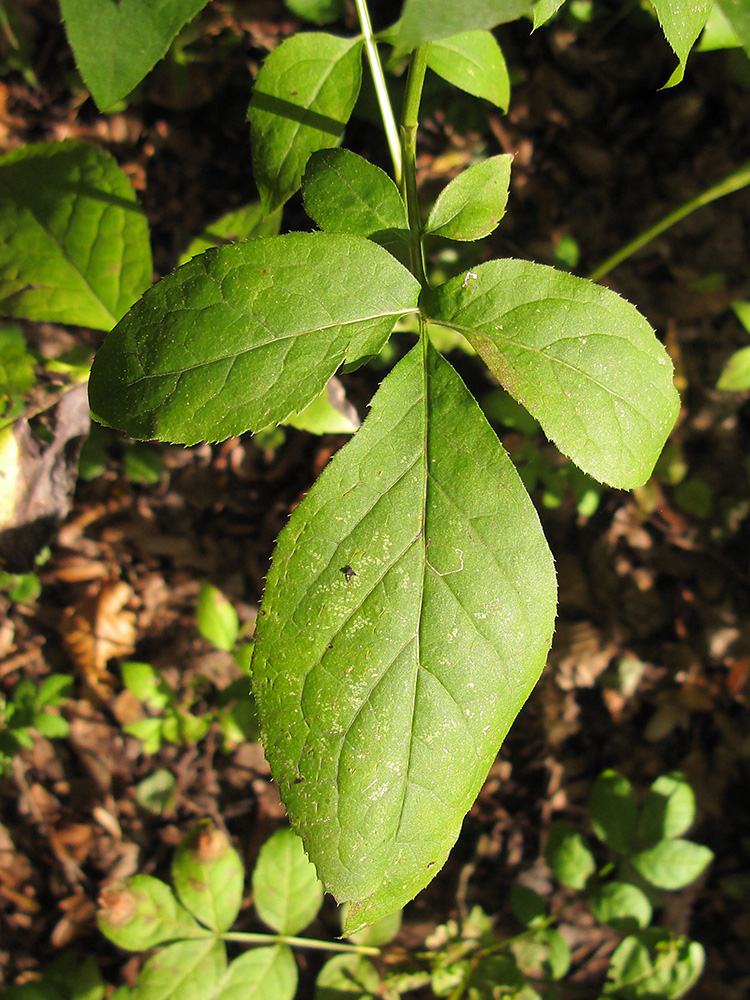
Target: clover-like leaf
x: 473, y: 62
x: 669, y: 809
x: 242, y: 336
x: 568, y: 855
x: 302, y: 100
x: 117, y: 44
x: 472, y: 204
x: 407, y: 616
x: 286, y: 890
x: 672, y: 864
x: 581, y: 359
x: 142, y: 912
x: 614, y: 812
x: 74, y: 245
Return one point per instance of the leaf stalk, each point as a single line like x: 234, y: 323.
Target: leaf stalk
x: 409, y: 127
x: 299, y: 942
x: 381, y: 90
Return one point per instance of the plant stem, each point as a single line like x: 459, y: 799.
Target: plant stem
x: 409, y: 126
x: 384, y: 102
x: 299, y: 942
x: 734, y: 182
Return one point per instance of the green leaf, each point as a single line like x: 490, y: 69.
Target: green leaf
x: 143, y: 912
x: 736, y: 374
x: 672, y: 864
x: 682, y: 21
x: 582, y: 360
x: 718, y: 33
x: 568, y: 856
x: 208, y: 876
x: 737, y: 13
x: 345, y: 194
x: 654, y: 963
x: 473, y: 203
x: 381, y: 932
x: 217, y: 619
x: 319, y: 11
x: 400, y: 634
x: 260, y: 974
x: 245, y: 335
x: 157, y: 792
x: 621, y: 905
x: 544, y: 10
x: 286, y: 890
x: 188, y: 970
x: 528, y: 906
x: 51, y: 725
x: 669, y: 809
x: 329, y: 413
x: 116, y: 44
x: 146, y: 684
x: 347, y: 976
x: 53, y: 690
x: 473, y: 62
x: 303, y: 97
x: 614, y: 813
x: 429, y: 20
x: 74, y: 245
x: 244, y: 223
x: 16, y: 367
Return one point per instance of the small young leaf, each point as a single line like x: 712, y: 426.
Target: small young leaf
x: 216, y: 617
x: 473, y: 62
x: 669, y: 809
x: 260, y: 974
x: 244, y: 223
x: 614, y: 813
x: 146, y: 684
x: 528, y: 906
x: 117, y: 44
x: 51, y: 725
x: 428, y: 20
x: 319, y: 11
x: 473, y: 203
x: 437, y: 567
x: 654, y: 963
x: 345, y: 194
x: 682, y: 21
x: 245, y: 335
x: 582, y: 360
x: 302, y: 100
x: 74, y: 245
x: 736, y: 374
x: 53, y: 690
x: 286, y: 890
x: 142, y: 912
x: 329, y: 413
x: 544, y: 10
x: 569, y: 859
x: 148, y: 731
x: 737, y: 12
x: 381, y: 932
x: 188, y: 970
x: 347, y: 976
x: 672, y: 864
x: 156, y: 793
x: 621, y: 905
x: 208, y: 876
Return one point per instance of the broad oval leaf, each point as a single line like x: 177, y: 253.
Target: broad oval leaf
x: 672, y: 864
x: 302, y: 100
x: 581, y: 359
x: 428, y: 20
x: 260, y: 974
x: 473, y: 62
x: 407, y: 616
x: 188, y: 970
x: 345, y: 194
x: 682, y: 21
x: 614, y: 812
x: 669, y: 809
x: 142, y: 912
x: 117, y: 44
x: 621, y: 905
x: 242, y: 336
x: 208, y: 876
x: 286, y: 890
x: 74, y: 243
x: 473, y: 203
x: 568, y: 855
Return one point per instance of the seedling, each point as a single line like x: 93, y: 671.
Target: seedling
x: 383, y: 693
x: 32, y: 709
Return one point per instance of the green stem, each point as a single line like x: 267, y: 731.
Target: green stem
x: 299, y: 942
x: 409, y: 126
x: 735, y: 182
x: 381, y: 89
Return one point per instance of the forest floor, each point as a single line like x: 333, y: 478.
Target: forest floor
x: 649, y: 668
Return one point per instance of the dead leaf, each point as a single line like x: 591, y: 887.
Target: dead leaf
x: 97, y: 629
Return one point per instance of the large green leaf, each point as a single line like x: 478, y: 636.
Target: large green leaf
x: 407, y: 616
x: 682, y: 21
x: 472, y: 204
x: 474, y: 62
x: 74, y: 244
x: 737, y: 13
x: 242, y: 336
x: 582, y: 360
x: 117, y: 42
x: 427, y: 20
x: 303, y: 97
